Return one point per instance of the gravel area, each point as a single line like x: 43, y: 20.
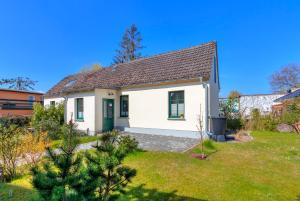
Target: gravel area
x: 163, y: 143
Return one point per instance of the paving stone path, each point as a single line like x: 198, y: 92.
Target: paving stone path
x: 155, y: 142
x: 163, y: 143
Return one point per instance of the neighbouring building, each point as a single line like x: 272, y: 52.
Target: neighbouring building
x: 293, y: 93
x: 263, y: 102
x: 18, y: 102
x: 165, y: 94
x: 246, y: 103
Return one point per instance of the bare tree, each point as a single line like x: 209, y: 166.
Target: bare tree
x: 286, y: 78
x: 130, y: 46
x: 200, y: 127
x: 91, y: 68
x: 19, y: 83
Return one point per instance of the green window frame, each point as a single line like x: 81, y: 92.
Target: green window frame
x: 52, y: 103
x: 176, y: 104
x: 124, y: 105
x: 79, y: 109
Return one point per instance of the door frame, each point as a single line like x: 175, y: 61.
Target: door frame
x: 113, y: 113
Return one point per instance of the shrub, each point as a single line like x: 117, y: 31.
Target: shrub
x: 208, y: 144
x: 10, y: 150
x: 234, y: 124
x: 261, y: 122
x: 20, y: 121
x: 291, y: 114
x: 48, y: 119
x: 33, y: 147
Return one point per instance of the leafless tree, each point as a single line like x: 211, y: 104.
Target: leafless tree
x: 200, y: 127
x: 286, y: 78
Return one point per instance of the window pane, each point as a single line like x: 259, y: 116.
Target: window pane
x: 110, y: 110
x: 79, y: 108
x: 180, y: 109
x: 124, y: 106
x: 174, y: 110
x: 105, y: 109
x: 176, y: 104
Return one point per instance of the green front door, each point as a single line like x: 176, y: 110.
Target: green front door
x: 108, y: 114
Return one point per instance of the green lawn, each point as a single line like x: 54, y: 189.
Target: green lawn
x: 82, y: 140
x: 267, y: 168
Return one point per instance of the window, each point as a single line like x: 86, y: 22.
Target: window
x: 52, y: 103
x: 79, y: 108
x: 176, y: 104
x: 31, y: 99
x: 124, y: 106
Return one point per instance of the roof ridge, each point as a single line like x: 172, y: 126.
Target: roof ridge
x: 166, y: 53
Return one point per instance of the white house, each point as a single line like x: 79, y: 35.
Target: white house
x: 163, y: 94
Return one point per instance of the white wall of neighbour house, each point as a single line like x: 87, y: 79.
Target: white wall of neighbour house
x: 48, y: 100
x: 148, y: 110
x: 88, y: 123
x: 263, y: 102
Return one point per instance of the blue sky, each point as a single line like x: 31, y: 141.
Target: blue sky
x: 47, y: 40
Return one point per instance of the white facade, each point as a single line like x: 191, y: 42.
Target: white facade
x: 148, y: 109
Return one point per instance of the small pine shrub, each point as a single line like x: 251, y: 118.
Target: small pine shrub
x: 208, y: 144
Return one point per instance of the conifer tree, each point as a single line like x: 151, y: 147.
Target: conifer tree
x: 130, y: 46
x: 105, y: 172
x: 60, y: 174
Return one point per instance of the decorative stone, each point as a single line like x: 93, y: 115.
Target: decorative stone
x: 285, y: 128
x: 243, y: 136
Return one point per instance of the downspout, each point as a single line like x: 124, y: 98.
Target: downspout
x: 206, y: 107
x: 65, y: 108
x: 205, y: 86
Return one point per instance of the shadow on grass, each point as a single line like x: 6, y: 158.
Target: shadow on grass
x: 10, y: 192
x: 140, y: 193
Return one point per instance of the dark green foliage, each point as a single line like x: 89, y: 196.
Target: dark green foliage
x: 48, y: 119
x: 234, y: 124
x: 129, y: 46
x: 20, y: 121
x: 291, y: 115
x: 230, y: 109
x: 19, y: 83
x: 105, y: 172
x: 58, y: 177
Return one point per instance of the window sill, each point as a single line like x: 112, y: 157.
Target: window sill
x: 123, y: 117
x: 176, y: 119
x: 79, y: 120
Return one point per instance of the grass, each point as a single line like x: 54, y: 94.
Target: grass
x: 82, y: 140
x: 268, y: 168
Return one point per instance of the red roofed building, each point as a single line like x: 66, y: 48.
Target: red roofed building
x: 17, y: 102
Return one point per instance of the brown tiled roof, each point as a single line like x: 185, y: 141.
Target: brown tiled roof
x: 182, y: 64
